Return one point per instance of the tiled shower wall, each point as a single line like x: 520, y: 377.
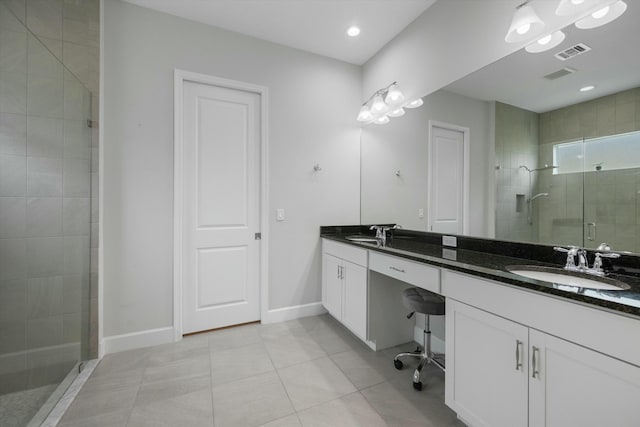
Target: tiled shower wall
x: 516, y: 145
x: 611, y: 198
x: 47, y: 198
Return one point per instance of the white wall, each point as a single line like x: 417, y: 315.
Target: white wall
x: 449, y: 40
x: 402, y: 145
x: 313, y: 101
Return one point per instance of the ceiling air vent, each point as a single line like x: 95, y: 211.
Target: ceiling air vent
x: 572, y: 51
x: 560, y: 73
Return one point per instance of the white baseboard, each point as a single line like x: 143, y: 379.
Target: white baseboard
x: 437, y: 345
x: 294, y: 312
x: 135, y: 340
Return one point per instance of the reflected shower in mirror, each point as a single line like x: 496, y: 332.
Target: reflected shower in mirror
x: 535, y: 118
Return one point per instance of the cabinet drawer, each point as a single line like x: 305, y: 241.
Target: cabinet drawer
x: 345, y: 252
x: 414, y: 273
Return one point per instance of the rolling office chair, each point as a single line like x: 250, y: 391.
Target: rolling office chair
x: 420, y: 301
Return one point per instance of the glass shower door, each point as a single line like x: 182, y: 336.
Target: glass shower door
x: 612, y: 184
x: 45, y: 158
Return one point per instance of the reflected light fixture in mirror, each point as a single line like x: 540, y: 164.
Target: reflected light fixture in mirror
x: 384, y: 103
x: 545, y: 43
x: 574, y: 7
x: 415, y: 103
x: 524, y: 25
x: 603, y: 15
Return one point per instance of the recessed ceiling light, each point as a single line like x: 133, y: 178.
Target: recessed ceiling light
x: 353, y: 31
x: 587, y: 88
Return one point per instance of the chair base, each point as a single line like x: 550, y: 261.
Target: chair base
x: 426, y: 355
x: 425, y: 358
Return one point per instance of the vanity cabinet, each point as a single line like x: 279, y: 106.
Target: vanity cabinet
x: 486, y: 377
x: 344, y: 285
x: 501, y: 371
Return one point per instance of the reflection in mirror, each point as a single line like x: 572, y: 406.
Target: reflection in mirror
x: 394, y: 170
x: 534, y: 114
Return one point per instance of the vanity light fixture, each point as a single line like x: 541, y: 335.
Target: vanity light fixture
x: 396, y: 113
x: 415, y: 103
x: 382, y: 120
x: 545, y: 43
x: 353, y: 31
x: 384, y: 103
x: 603, y: 15
x: 573, y: 7
x: 524, y: 25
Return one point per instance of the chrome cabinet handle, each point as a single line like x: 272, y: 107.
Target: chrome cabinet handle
x: 534, y: 366
x: 397, y: 269
x: 518, y: 359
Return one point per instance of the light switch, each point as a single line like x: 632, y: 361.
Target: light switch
x: 279, y: 214
x: 420, y: 213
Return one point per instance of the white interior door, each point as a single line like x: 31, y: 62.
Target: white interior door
x: 446, y: 180
x: 221, y: 256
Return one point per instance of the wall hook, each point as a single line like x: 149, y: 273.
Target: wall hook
x: 317, y: 167
x: 398, y: 173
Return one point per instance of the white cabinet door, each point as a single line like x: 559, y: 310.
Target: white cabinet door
x: 354, y: 304
x: 486, y: 377
x: 332, y: 295
x: 575, y: 386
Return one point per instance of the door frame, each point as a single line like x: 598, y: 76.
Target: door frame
x: 466, y: 132
x: 180, y: 77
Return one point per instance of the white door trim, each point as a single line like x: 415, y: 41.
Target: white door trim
x: 465, y: 179
x: 180, y: 76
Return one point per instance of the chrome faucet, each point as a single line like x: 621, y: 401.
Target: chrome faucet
x: 583, y: 263
x: 381, y: 232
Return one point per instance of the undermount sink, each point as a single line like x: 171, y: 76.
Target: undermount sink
x: 563, y: 277
x: 362, y: 239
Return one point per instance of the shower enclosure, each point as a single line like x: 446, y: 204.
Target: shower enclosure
x: 45, y: 204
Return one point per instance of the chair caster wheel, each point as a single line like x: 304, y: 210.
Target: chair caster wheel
x: 418, y: 385
x: 398, y: 364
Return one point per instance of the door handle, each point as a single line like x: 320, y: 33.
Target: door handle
x: 590, y: 236
x: 534, y: 364
x: 518, y: 358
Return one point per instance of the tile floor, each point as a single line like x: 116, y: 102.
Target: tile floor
x: 305, y: 372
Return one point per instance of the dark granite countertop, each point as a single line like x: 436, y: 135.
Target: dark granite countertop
x: 488, y: 258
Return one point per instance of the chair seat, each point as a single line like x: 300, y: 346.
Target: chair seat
x: 421, y: 301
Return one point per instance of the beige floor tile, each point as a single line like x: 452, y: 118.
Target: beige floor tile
x: 315, y: 382
x: 125, y: 361
x: 400, y: 405
x: 192, y: 409
x: 351, y: 410
x: 365, y: 368
x: 172, y: 387
x: 109, y: 419
x: 250, y: 402
x: 288, y: 421
x: 241, y: 362
x: 197, y: 365
x: 238, y: 336
x: 88, y: 405
x: 288, y: 350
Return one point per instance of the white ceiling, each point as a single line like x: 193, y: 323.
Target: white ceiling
x: 317, y: 26
x: 612, y: 65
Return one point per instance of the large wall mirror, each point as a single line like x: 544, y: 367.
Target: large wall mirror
x: 548, y: 163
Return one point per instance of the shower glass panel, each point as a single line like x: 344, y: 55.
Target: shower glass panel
x: 45, y: 157
x: 558, y: 210
x: 612, y: 183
